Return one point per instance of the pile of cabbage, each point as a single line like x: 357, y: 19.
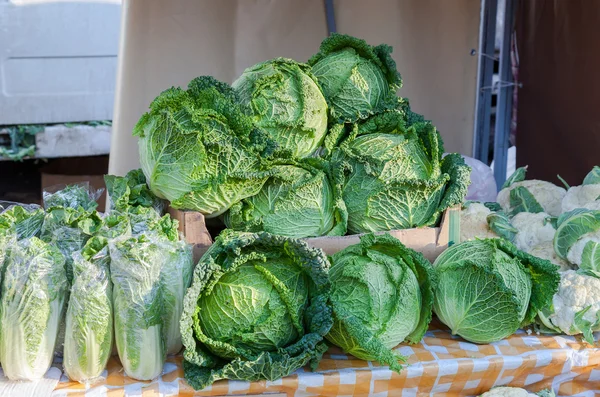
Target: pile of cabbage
x: 302, y: 149
x: 558, y: 224
x: 75, y: 282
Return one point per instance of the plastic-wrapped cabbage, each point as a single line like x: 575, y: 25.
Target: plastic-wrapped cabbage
x: 26, y: 219
x: 138, y: 305
x: 150, y: 276
x: 199, y: 151
x: 115, y: 225
x: 520, y: 195
x: 89, y: 320
x: 257, y: 309
x: 284, y: 99
x: 577, y: 239
x: 382, y: 294
x: 69, y: 229
x: 131, y: 190
x: 299, y: 201
x: 34, y: 289
x: 80, y: 195
x: 487, y: 289
x: 393, y: 177
x: 358, y: 80
x: 176, y: 277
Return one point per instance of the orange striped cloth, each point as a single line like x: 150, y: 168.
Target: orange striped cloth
x: 441, y: 365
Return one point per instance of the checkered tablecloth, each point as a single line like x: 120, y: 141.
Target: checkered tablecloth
x: 440, y: 365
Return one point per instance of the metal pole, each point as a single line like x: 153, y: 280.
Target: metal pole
x: 330, y: 13
x: 505, y: 95
x: 485, y: 73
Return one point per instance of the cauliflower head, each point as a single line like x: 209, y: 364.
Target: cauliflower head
x: 532, y: 196
x: 533, y: 229
x: 504, y: 391
x: 576, y: 306
x: 473, y: 222
x: 546, y: 251
x: 584, y: 196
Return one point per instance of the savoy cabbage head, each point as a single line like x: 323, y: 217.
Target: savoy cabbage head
x: 382, y: 295
x: 358, y: 80
x: 284, y: 99
x: 487, y: 289
x: 299, y: 201
x: 199, y: 151
x: 394, y: 177
x: 257, y: 309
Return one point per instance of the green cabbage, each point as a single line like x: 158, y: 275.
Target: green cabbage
x: 284, y: 99
x: 257, y: 309
x: 131, y: 190
x: 298, y: 201
x: 199, y: 151
x: 487, y: 289
x: 393, y: 177
x: 358, y: 80
x: 34, y: 288
x: 382, y: 295
x: 89, y: 320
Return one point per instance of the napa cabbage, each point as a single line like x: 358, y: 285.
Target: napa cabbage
x: 199, y: 151
x: 299, y: 200
x: 89, y: 319
x: 284, y: 99
x: 382, y: 295
x: 487, y: 289
x: 358, y: 80
x: 257, y: 309
x: 34, y: 288
x: 394, y: 177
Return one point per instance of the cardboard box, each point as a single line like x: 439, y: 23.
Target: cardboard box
x: 430, y: 241
x: 69, y: 171
x: 193, y: 226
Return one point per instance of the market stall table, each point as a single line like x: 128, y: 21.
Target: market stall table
x: 440, y: 365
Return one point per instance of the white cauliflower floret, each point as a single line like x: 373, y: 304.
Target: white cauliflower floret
x: 575, y: 253
x: 585, y: 196
x: 473, y: 222
x: 575, y: 293
x: 533, y: 230
x: 504, y: 391
x: 546, y: 251
x: 547, y: 194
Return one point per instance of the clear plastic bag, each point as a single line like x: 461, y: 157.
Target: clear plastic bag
x: 34, y: 290
x: 150, y: 277
x: 72, y: 196
x: 26, y: 219
x: 89, y: 318
x: 483, y: 184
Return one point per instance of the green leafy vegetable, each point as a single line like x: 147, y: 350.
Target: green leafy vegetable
x: 500, y: 224
x: 73, y: 196
x: 284, y: 99
x: 27, y: 221
x: 576, y: 231
x: 358, y: 80
x: 517, y: 176
x: 257, y: 309
x: 299, y: 200
x: 131, y: 190
x: 521, y: 200
x: 393, y: 177
x: 199, y: 151
x: 89, y: 320
x: 593, y: 177
x: 34, y: 287
x: 487, y: 289
x: 382, y: 294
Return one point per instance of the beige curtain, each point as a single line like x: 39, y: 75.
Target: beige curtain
x: 167, y: 43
